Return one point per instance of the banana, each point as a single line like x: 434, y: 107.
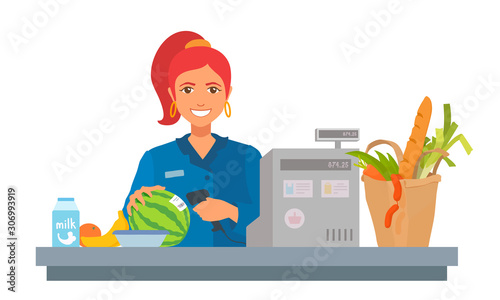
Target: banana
x: 109, y: 239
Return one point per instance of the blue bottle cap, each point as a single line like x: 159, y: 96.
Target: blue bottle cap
x: 65, y: 199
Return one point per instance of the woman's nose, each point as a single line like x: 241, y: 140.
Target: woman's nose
x: 200, y: 105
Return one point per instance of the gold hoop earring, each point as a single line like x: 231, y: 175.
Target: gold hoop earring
x: 174, y: 104
x: 225, y: 110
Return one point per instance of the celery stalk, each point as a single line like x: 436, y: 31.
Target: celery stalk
x: 442, y: 140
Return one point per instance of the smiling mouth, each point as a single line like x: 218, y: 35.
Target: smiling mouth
x: 201, y: 113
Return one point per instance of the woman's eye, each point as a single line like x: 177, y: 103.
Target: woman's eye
x: 187, y: 90
x: 213, y: 90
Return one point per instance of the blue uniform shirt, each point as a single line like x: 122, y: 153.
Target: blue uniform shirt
x: 230, y: 172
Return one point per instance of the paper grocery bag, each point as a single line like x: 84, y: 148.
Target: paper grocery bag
x: 412, y: 223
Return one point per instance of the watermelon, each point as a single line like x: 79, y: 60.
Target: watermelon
x: 163, y: 211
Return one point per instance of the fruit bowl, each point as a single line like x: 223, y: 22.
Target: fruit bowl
x: 140, y: 238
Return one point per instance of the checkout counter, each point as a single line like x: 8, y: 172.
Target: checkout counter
x: 308, y: 229
x: 250, y: 263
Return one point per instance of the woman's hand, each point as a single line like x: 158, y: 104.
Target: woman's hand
x: 216, y: 210
x: 138, y: 195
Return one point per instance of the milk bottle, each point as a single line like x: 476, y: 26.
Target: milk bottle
x: 65, y: 223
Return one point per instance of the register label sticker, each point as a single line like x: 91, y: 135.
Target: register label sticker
x: 334, y: 188
x: 297, y: 188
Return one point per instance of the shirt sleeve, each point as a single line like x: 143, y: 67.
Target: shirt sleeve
x: 249, y: 210
x: 143, y: 177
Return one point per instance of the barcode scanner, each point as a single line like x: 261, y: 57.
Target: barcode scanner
x: 195, y: 198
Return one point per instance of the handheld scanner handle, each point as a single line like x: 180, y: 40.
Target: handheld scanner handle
x: 196, y: 197
x: 217, y: 226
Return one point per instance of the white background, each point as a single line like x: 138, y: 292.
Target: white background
x: 285, y: 56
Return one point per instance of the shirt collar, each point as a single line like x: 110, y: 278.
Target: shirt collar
x: 195, y: 159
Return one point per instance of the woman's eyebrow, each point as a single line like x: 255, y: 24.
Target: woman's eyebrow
x: 210, y: 83
x: 187, y: 83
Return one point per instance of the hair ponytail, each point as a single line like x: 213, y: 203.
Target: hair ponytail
x: 159, y: 70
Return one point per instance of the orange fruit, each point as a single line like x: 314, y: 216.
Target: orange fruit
x: 89, y: 230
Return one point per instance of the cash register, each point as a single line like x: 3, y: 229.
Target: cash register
x: 308, y: 195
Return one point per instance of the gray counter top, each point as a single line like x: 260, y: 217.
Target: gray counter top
x: 279, y: 263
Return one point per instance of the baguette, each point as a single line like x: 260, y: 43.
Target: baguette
x: 415, y: 145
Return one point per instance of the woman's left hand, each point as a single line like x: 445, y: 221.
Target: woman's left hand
x: 216, y: 210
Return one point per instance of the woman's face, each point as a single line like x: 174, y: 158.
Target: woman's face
x: 200, y: 95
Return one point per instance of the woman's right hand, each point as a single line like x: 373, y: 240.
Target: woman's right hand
x: 138, y: 195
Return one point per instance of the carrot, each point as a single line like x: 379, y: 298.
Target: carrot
x: 372, y: 172
x: 389, y: 214
x: 417, y: 139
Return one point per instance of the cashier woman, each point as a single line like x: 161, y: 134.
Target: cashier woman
x: 193, y: 80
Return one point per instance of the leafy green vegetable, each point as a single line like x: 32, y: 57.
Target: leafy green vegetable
x: 385, y: 165
x: 391, y: 166
x: 395, y: 166
x: 450, y: 133
x: 361, y: 164
x: 443, y: 140
x: 384, y: 160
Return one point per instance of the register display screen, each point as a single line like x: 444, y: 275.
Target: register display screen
x: 337, y: 134
x: 315, y: 165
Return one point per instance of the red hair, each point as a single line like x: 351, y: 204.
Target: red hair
x: 172, y: 59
